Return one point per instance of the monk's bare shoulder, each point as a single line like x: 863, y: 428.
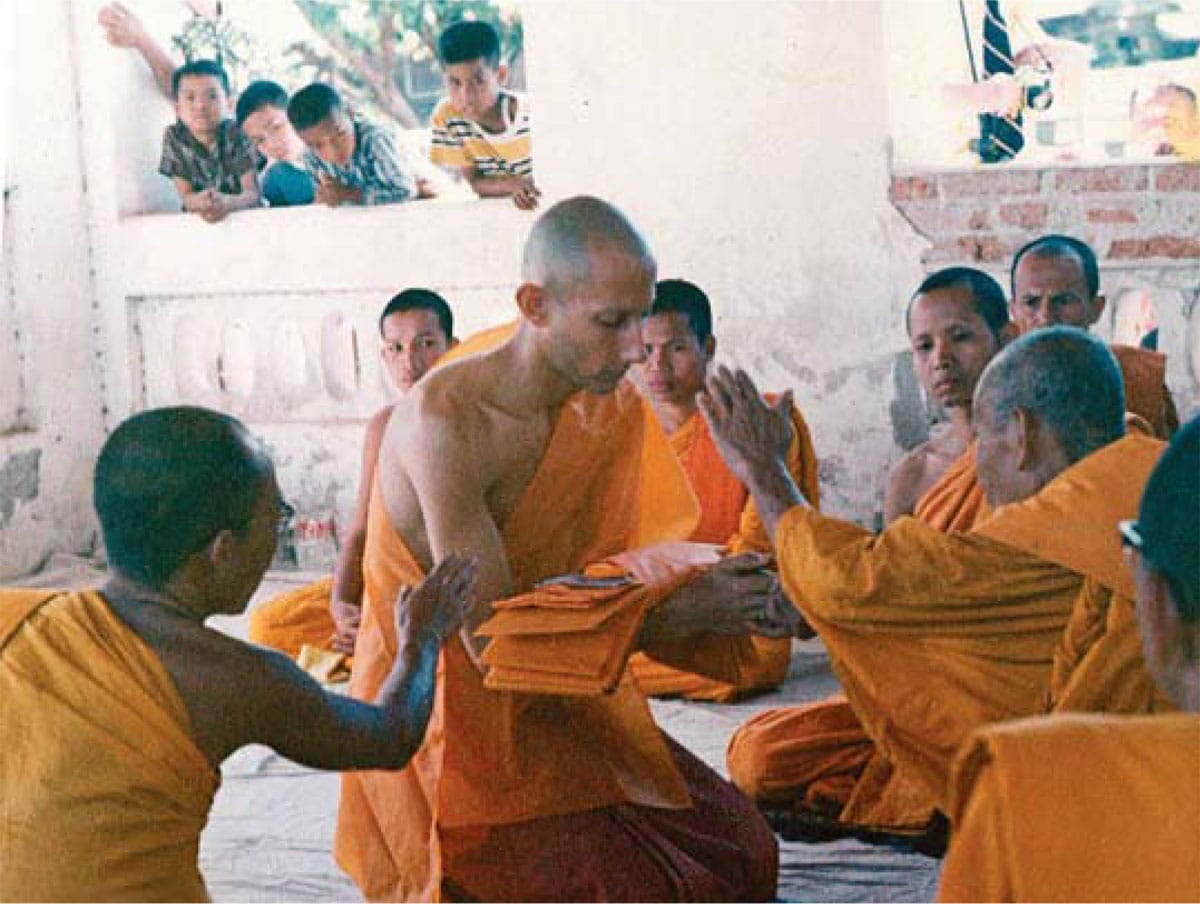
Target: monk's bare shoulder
x: 907, y: 482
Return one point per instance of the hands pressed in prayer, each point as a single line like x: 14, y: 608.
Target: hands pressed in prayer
x: 333, y: 193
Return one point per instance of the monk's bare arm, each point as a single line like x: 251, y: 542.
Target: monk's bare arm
x: 287, y: 710
x: 904, y: 485
x: 346, y: 600
x: 445, y: 461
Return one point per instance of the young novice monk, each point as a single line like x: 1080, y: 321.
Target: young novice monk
x: 417, y: 328
x: 957, y: 320
x: 204, y: 153
x: 679, y: 347
x: 481, y: 129
x: 120, y: 704
x: 262, y: 114
x: 354, y: 161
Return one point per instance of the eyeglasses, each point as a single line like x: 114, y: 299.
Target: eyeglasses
x: 287, y: 514
x: 1131, y: 535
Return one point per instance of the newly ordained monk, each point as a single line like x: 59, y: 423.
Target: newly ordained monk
x: 679, y: 347
x: 1056, y: 280
x: 804, y: 763
x: 417, y: 328
x: 540, y: 458
x: 1101, y: 808
x: 934, y: 634
x: 957, y: 321
x: 119, y: 704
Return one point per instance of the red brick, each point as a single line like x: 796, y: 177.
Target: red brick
x: 1016, y: 182
x: 1171, y: 246
x: 982, y: 248
x: 1104, y: 178
x: 1026, y: 215
x: 1111, y: 215
x: 912, y: 188
x: 1181, y: 177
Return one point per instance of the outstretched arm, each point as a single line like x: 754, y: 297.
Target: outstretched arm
x: 123, y: 29
x: 291, y: 713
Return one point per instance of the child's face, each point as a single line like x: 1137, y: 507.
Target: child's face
x: 332, y: 139
x: 474, y: 86
x: 201, y: 104
x: 271, y: 133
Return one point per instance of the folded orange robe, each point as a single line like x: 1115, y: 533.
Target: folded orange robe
x: 1146, y: 392
x: 1077, y: 808
x: 933, y: 635
x: 506, y: 784
x: 295, y: 619
x: 104, y: 791
x: 727, y: 517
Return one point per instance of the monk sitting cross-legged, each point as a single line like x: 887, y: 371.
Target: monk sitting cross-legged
x: 417, y: 328
x: 934, y: 634
x: 118, y: 705
x: 804, y: 764
x: 1101, y: 808
x: 539, y: 457
x: 679, y: 347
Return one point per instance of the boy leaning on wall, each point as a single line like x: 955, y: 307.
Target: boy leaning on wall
x: 204, y: 153
x: 354, y: 161
x: 481, y: 128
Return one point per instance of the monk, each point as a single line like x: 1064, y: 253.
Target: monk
x: 957, y: 321
x: 804, y: 763
x: 1121, y: 826
x: 1056, y: 280
x: 417, y: 328
x: 541, y: 458
x: 934, y: 634
x: 119, y: 704
x: 679, y: 348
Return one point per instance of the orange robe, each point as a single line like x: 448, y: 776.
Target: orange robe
x: 104, y: 791
x: 495, y: 803
x: 725, y: 520
x: 956, y: 500
x: 295, y: 619
x: 1146, y: 392
x: 935, y: 634
x: 1077, y: 808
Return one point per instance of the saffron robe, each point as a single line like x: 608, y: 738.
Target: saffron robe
x: 727, y: 517
x: 935, y: 634
x: 494, y: 803
x: 105, y: 792
x: 1146, y: 392
x: 1077, y: 808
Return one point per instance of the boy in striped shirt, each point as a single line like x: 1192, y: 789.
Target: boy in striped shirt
x: 481, y: 128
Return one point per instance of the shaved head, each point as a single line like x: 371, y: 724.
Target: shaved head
x: 559, y: 251
x: 1066, y: 378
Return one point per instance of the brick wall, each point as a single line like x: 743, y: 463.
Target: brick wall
x: 1127, y: 213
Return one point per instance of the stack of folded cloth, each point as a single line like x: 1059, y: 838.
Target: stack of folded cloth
x: 573, y: 634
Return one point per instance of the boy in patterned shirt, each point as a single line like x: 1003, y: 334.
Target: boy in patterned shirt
x: 354, y: 162
x: 481, y: 129
x: 204, y: 153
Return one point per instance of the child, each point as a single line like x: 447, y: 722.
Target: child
x: 354, y: 161
x: 204, y: 153
x: 262, y: 114
x: 480, y: 128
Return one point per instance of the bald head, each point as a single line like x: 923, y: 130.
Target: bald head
x: 1048, y: 400
x: 168, y: 480
x: 561, y: 245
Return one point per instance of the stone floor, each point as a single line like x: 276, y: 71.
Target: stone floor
x: 269, y: 835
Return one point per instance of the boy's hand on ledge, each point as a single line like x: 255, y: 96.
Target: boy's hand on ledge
x: 334, y: 193
x: 526, y: 194
x: 426, y: 188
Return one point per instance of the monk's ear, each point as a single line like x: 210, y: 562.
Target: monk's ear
x: 221, y: 549
x: 1097, y: 307
x: 452, y: 343
x: 710, y: 346
x: 1027, y: 438
x: 533, y: 303
x: 1007, y: 333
